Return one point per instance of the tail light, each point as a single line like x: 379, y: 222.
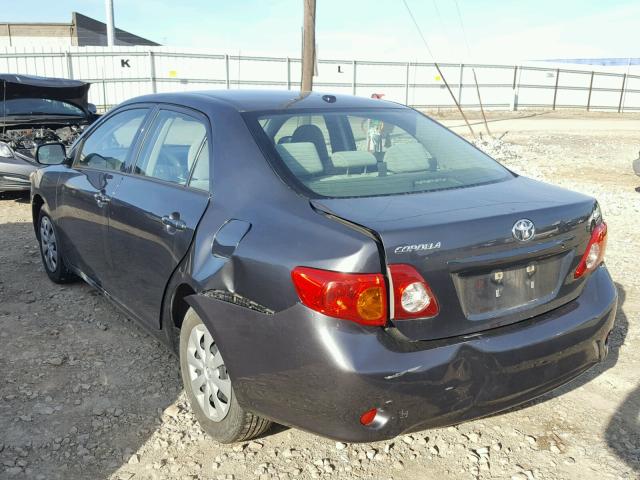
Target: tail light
x: 359, y: 297
x: 412, y: 296
x: 594, y: 254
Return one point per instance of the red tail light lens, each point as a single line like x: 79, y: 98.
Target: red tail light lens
x: 412, y: 296
x: 359, y: 297
x: 594, y: 254
x: 368, y: 417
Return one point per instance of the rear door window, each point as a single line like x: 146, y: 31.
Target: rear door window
x: 108, y: 146
x: 172, y: 147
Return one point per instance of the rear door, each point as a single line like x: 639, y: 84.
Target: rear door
x: 86, y: 189
x: 157, y: 207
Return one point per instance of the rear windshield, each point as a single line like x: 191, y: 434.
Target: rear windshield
x: 372, y: 152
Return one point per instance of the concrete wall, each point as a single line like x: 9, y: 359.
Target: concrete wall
x: 120, y: 73
x: 26, y: 35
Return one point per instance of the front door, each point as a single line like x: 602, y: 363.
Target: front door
x: 156, y: 209
x: 87, y: 188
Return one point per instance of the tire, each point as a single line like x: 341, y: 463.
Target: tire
x: 50, y: 251
x: 223, y: 418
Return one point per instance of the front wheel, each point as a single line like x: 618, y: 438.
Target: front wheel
x: 209, y: 388
x: 50, y: 251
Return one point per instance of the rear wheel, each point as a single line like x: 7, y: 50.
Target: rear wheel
x: 51, y: 252
x: 209, y: 388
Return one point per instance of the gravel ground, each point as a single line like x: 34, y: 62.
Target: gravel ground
x: 85, y: 394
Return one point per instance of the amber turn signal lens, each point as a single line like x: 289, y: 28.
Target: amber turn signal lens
x: 369, y: 304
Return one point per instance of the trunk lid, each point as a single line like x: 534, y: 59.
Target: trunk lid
x: 461, y: 242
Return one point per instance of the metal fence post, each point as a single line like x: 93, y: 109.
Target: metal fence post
x: 624, y: 81
x: 590, y: 89
x: 288, y: 73
x: 353, y: 82
x: 406, y: 86
x: 152, y: 72
x: 555, y: 90
x: 460, y: 84
x: 67, y: 55
x: 514, y: 98
x: 226, y: 68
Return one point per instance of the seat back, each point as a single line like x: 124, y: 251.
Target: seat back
x: 301, y: 158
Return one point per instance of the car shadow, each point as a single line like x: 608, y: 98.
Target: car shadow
x: 19, y: 197
x: 623, y: 432
x: 82, y: 389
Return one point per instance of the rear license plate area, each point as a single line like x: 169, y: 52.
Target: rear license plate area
x: 484, y: 293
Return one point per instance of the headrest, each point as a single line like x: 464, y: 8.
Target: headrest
x: 301, y: 158
x: 407, y: 157
x: 353, y: 159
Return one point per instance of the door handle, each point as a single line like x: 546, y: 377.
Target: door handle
x: 101, y: 199
x: 172, y: 223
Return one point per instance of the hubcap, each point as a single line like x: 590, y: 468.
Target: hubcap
x: 208, y: 376
x: 48, y: 244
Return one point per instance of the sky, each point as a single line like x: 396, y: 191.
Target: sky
x: 495, y: 30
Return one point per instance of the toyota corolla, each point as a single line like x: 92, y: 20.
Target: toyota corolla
x: 342, y: 265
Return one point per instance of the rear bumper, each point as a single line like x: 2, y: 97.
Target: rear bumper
x: 302, y: 369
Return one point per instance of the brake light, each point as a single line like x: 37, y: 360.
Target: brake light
x: 594, y: 254
x: 359, y: 297
x: 412, y: 296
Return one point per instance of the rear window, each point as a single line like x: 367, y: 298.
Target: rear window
x: 371, y: 152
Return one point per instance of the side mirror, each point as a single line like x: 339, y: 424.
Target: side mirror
x: 51, y: 154
x: 92, y: 108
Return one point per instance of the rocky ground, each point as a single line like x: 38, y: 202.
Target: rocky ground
x: 85, y: 394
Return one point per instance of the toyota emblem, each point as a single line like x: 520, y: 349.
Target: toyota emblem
x: 523, y: 230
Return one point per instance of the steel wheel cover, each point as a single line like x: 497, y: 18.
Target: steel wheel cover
x: 49, y: 244
x: 208, y: 376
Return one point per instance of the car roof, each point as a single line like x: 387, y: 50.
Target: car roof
x: 261, y: 100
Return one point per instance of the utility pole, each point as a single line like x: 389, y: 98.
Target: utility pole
x: 111, y: 31
x: 308, y: 45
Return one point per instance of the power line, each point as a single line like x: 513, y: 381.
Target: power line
x: 446, y: 84
x: 473, y: 69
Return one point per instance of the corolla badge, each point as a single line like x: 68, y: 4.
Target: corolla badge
x: 420, y: 247
x: 523, y: 230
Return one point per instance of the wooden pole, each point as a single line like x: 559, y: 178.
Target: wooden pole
x: 309, y: 44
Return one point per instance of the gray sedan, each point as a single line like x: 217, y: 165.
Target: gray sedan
x: 342, y: 265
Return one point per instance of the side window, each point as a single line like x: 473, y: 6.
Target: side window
x: 107, y: 147
x: 172, y: 147
x: 200, y: 175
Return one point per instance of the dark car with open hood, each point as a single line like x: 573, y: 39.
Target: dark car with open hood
x: 338, y: 264
x: 34, y: 111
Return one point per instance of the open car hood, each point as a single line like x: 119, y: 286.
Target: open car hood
x: 26, y: 86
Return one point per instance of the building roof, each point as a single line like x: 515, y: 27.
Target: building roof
x: 82, y: 21
x: 86, y: 30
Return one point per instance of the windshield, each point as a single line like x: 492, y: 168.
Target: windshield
x: 372, y: 152
x: 38, y: 106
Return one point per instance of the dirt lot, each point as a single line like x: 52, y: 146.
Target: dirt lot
x: 85, y: 394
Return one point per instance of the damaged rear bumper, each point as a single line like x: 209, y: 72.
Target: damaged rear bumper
x: 319, y: 374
